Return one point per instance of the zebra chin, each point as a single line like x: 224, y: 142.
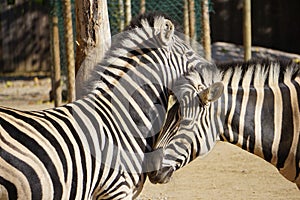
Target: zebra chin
x: 161, y: 176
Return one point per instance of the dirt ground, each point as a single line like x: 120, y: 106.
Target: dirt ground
x: 226, y: 173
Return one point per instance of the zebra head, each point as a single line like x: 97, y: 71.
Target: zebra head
x: 186, y: 133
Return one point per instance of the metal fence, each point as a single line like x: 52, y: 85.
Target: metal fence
x: 173, y: 8
x: 26, y: 27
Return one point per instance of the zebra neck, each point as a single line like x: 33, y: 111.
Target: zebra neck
x: 138, y: 117
x: 263, y: 120
x: 239, y: 113
x: 259, y: 112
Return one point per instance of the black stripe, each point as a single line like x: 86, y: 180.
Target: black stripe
x: 27, y: 170
x: 10, y: 187
x: 249, y: 125
x: 287, y: 130
x: 130, y: 61
x: 34, y: 147
x: 226, y: 134
x: 267, y: 124
x: 235, y: 125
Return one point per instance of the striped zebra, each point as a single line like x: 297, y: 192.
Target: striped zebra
x: 101, y: 146
x: 258, y: 112
x: 184, y: 136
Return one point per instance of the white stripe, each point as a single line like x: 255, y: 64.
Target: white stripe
x: 246, y: 88
x: 234, y: 87
x: 259, y: 79
x: 278, y: 109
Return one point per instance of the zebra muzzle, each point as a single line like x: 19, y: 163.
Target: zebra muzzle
x: 161, y: 176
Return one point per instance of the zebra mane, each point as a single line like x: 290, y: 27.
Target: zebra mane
x: 261, y: 72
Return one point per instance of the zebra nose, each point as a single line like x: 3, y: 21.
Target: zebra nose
x: 161, y: 176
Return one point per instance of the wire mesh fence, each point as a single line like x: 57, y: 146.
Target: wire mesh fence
x: 118, y: 11
x: 175, y: 9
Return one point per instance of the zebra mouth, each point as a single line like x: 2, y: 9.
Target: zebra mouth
x: 161, y: 176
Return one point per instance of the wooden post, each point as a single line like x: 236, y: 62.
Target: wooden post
x: 142, y: 6
x: 206, y: 30
x: 56, y: 90
x: 192, y: 19
x: 56, y: 78
x: 69, y: 49
x: 122, y: 16
x: 186, y: 20
x: 247, y: 29
x: 127, y: 11
x: 92, y: 37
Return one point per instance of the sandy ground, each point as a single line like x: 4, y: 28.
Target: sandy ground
x: 226, y: 173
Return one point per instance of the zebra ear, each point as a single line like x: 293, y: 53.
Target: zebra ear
x: 167, y: 31
x: 212, y: 93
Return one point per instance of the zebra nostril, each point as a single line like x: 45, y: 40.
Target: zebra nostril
x: 161, y: 176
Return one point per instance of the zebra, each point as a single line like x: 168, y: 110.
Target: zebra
x: 100, y: 146
x: 183, y: 135
x: 258, y: 112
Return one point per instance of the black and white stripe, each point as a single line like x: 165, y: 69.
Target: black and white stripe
x: 98, y: 147
x: 187, y: 132
x: 259, y: 112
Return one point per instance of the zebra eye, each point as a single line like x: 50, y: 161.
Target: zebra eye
x: 189, y: 53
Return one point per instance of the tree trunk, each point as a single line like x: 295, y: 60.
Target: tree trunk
x: 93, y: 38
x: 247, y: 29
x: 206, y: 30
x: 56, y: 82
x: 69, y: 49
x: 127, y: 11
x: 142, y: 6
x: 186, y: 20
